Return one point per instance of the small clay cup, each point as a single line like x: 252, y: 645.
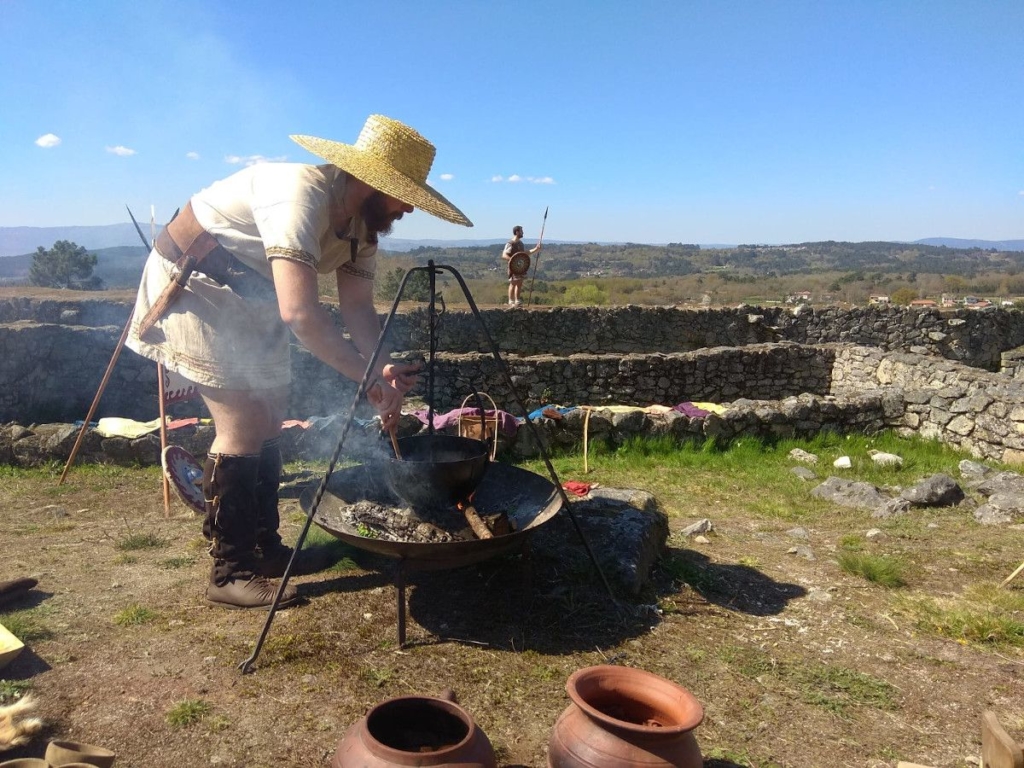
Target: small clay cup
x: 62, y: 753
x: 26, y: 762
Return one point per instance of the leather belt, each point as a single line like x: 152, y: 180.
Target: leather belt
x: 184, y: 242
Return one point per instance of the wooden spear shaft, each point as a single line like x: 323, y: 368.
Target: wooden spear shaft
x: 540, y: 241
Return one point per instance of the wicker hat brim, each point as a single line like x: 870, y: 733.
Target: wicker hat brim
x: 383, y: 177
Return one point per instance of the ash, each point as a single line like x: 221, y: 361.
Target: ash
x: 390, y: 523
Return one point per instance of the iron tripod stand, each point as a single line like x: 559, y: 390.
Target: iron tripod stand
x: 432, y: 271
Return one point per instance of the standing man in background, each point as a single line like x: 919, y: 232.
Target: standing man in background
x: 516, y: 278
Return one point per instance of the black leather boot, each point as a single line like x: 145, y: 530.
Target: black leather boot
x: 273, y: 553
x: 229, y: 487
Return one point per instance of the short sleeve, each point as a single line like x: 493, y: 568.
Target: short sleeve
x: 290, y: 210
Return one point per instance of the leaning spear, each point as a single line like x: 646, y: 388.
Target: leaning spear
x: 540, y: 241
x: 106, y: 375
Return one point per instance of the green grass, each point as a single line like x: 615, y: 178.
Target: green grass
x: 187, y: 712
x: 884, y: 571
x: 27, y: 625
x: 748, y: 474
x: 134, y: 615
x: 835, y: 689
x: 983, y: 615
x: 182, y: 561
x: 134, y: 541
x: 11, y: 690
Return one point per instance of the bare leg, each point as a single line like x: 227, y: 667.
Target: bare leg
x: 244, y: 419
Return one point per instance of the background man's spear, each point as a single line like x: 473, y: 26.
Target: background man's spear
x: 540, y: 241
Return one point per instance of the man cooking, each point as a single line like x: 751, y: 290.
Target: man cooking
x: 237, y: 270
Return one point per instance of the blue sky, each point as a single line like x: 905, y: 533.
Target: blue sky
x: 644, y: 121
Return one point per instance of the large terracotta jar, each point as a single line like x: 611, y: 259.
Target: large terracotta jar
x: 415, y: 731
x: 625, y: 718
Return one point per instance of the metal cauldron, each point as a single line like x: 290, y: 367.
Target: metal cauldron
x: 437, y: 469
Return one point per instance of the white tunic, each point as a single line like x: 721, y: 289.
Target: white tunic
x: 213, y: 336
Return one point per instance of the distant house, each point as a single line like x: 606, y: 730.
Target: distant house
x: 949, y: 301
x: 878, y: 299
x: 799, y: 296
x: 981, y: 304
x: 923, y: 303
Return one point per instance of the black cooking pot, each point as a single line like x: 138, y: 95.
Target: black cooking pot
x: 437, y: 470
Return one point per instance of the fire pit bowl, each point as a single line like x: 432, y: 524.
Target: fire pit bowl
x: 528, y: 499
x: 437, y: 469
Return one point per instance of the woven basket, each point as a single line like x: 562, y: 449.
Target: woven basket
x: 480, y: 427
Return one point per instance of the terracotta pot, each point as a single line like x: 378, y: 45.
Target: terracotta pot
x: 625, y: 718
x: 25, y: 762
x: 61, y: 753
x: 415, y: 731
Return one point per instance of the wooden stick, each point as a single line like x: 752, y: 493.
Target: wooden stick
x: 476, y: 522
x: 586, y: 426
x: 96, y: 399
x: 394, y: 444
x: 1013, y: 575
x: 540, y: 241
x: 162, y: 393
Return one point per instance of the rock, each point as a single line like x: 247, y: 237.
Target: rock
x: 804, y: 473
x: 936, y: 491
x: 802, y: 551
x: 848, y: 493
x: 843, y: 462
x: 1003, y: 482
x: 797, y: 533
x: 874, y: 533
x: 972, y: 471
x: 885, y: 459
x: 1000, y: 509
x: 798, y: 454
x: 623, y: 526
x: 891, y: 508
x: 701, y: 526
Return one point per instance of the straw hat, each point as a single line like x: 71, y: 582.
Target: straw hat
x: 393, y: 158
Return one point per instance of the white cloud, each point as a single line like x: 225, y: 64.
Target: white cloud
x: 48, y: 140
x: 515, y: 178
x: 121, y: 151
x: 447, y: 176
x: 192, y: 155
x: 252, y: 159
x: 1021, y: 193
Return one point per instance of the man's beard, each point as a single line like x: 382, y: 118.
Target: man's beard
x: 375, y: 214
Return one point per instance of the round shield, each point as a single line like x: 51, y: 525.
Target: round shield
x: 519, y: 264
x: 185, y: 475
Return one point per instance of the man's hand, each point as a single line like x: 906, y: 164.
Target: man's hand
x: 402, y: 376
x: 535, y: 248
x: 387, y: 401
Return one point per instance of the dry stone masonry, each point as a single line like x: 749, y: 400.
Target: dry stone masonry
x: 782, y: 372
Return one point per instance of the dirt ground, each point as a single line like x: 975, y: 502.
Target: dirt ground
x: 795, y: 662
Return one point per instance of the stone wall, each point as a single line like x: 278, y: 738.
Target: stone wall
x: 53, y: 354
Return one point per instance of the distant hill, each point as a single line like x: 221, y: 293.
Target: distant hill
x: 16, y: 241
x: 119, y: 267
x: 955, y: 242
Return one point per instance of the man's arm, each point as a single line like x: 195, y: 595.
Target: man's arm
x: 298, y: 302
x: 355, y: 299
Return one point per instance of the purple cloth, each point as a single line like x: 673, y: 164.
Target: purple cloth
x: 691, y: 410
x: 507, y: 424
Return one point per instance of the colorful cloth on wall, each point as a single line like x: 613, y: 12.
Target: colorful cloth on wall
x: 507, y: 424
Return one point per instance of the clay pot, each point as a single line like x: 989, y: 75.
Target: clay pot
x: 25, y: 762
x: 62, y: 753
x: 415, y: 731
x: 622, y: 717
